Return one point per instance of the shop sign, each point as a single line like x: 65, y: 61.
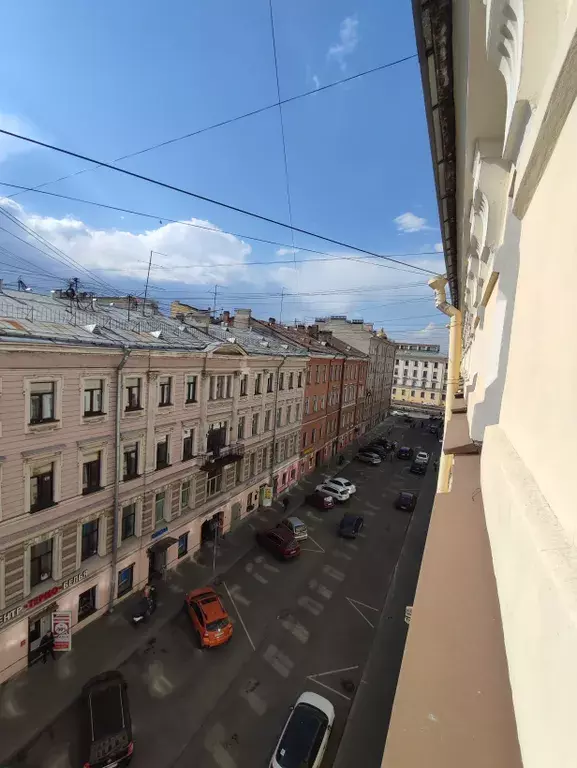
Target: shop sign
x: 39, y: 599
x: 308, y: 450
x: 62, y: 630
x: 9, y: 615
x: 158, y: 533
x: 43, y: 597
x: 74, y: 579
x: 267, y: 496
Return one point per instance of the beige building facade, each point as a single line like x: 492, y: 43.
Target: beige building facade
x: 489, y: 674
x: 420, y: 376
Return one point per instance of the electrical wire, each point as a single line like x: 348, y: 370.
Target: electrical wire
x: 212, y: 201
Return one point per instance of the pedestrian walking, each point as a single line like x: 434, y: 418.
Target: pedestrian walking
x: 285, y: 504
x: 47, y: 646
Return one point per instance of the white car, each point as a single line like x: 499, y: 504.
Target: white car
x: 369, y: 458
x: 342, y: 482
x: 304, y: 738
x: 336, y: 491
x: 422, y: 456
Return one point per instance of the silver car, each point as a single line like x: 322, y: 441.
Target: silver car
x: 296, y: 526
x: 369, y: 458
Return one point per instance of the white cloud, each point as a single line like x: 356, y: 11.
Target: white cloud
x: 317, y: 82
x: 8, y: 145
x: 439, y: 247
x: 287, y: 251
x: 410, y: 222
x: 348, y: 41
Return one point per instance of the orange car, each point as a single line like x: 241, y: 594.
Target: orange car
x: 209, y: 617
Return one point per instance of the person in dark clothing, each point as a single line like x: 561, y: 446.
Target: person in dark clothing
x: 285, y: 503
x: 47, y: 646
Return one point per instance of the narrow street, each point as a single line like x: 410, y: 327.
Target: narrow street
x: 302, y: 625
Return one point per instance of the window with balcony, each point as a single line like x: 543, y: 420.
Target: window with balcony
x: 42, y: 402
x: 240, y: 427
x: 93, y: 397
x: 40, y: 562
x: 165, y: 391
x: 258, y: 384
x: 42, y: 487
x: 267, y: 415
x: 130, y: 461
x: 254, y: 424
x: 91, y: 473
x: 162, y: 452
x: 281, y: 381
x: 213, y: 484
x: 184, y: 494
x: 191, y: 383
x: 187, y: 444
x: 270, y: 382
x: 291, y: 377
x: 128, y: 525
x: 159, y: 507
x: 133, y: 394
x: 243, y: 385
x: 279, y: 417
x: 89, y: 546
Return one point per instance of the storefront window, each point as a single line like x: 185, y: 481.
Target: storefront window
x: 125, y: 579
x: 86, y: 603
x: 183, y: 545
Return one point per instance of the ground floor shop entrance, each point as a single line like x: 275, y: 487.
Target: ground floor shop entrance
x: 211, y: 528
x: 157, y: 560
x: 38, y: 626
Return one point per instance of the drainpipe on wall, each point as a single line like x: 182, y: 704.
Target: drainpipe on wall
x: 117, y: 473
x: 453, y: 369
x: 274, y: 422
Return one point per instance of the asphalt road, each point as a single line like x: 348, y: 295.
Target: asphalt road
x: 302, y: 625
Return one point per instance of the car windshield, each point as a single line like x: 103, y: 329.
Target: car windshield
x: 406, y: 497
x: 215, y: 626
x: 302, y: 737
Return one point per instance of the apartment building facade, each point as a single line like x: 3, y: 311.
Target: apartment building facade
x: 420, y: 376
x: 489, y: 676
x: 126, y: 444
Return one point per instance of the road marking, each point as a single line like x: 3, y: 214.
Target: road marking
x: 261, y: 561
x: 370, y: 607
x: 314, y: 679
x: 313, y: 516
x: 352, y: 545
x: 371, y: 505
x: 342, y: 555
x: 213, y: 743
x: 362, y: 535
x: 333, y: 573
x: 239, y: 616
x: 355, y: 604
x: 310, y: 605
x: 255, y: 702
x: 321, y: 589
x: 249, y: 568
x: 320, y: 549
x: 236, y: 593
x: 295, y: 628
x: 369, y: 513
x: 278, y: 661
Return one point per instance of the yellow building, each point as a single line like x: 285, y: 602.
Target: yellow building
x: 419, y: 377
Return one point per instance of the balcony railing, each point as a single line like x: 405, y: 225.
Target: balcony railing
x: 220, y: 457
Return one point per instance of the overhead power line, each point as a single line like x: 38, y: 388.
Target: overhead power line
x: 204, y: 198
x: 228, y: 121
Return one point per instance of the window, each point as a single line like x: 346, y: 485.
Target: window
x: 432, y: 396
x: 443, y: 397
x: 255, y: 424
x: 308, y: 375
x: 289, y: 413
x: 125, y: 579
x: 243, y: 385
x: 425, y: 364
x: 213, y: 485
x: 267, y: 420
x: 435, y: 365
x: 89, y: 539
x: 291, y: 380
x: 402, y: 391
x: 279, y: 417
x: 258, y: 384
x: 40, y: 562
x: 324, y: 373
x: 297, y: 411
x: 185, y: 494
x: 191, y: 389
x: 239, y: 471
x: 305, y: 438
x: 86, y: 603
x: 240, y: 428
x: 281, y: 381
x: 412, y: 392
x: 306, y: 410
x: 422, y: 394
x: 394, y: 391
x: 91, y: 467
x: 128, y: 528
x: 159, y: 502
x: 42, y: 401
x: 93, y: 397
x: 165, y: 391
x: 314, y: 404
x: 133, y: 394
x: 187, y: 444
x: 221, y: 387
x: 435, y: 374
x: 251, y: 464
x: 130, y: 461
x: 299, y: 380
x: 182, y: 545
x: 317, y: 374
x: 322, y: 403
x: 269, y: 382
x: 313, y: 436
x: 162, y: 457
x: 42, y: 487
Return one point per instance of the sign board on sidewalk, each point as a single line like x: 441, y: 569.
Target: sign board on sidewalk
x: 267, y: 496
x: 408, y: 613
x: 62, y: 630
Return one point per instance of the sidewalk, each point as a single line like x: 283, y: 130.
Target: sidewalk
x: 31, y: 701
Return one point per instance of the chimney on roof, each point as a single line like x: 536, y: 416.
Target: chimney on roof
x: 226, y: 317
x: 368, y: 326
x: 242, y: 318
x: 313, y: 331
x: 272, y: 320
x: 301, y: 327
x: 325, y: 335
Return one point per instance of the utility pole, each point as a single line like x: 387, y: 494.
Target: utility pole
x: 146, y: 286
x: 281, y: 303
x: 214, y: 302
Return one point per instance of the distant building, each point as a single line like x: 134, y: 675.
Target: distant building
x: 419, y: 376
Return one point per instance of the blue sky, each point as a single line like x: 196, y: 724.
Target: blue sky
x: 108, y: 79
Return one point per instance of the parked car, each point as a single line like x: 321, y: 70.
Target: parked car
x: 320, y: 500
x: 296, y: 526
x: 369, y: 458
x: 345, y: 484
x: 304, y: 738
x: 209, y: 617
x: 107, y: 728
x: 376, y: 448
x: 338, y: 493
x: 422, y: 456
x: 350, y: 526
x: 418, y: 467
x: 279, y: 541
x: 405, y: 452
x: 406, y: 501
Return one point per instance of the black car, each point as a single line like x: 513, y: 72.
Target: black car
x: 107, y: 727
x: 406, y: 501
x: 405, y: 452
x: 376, y: 448
x: 350, y: 526
x: 418, y: 467
x: 320, y: 500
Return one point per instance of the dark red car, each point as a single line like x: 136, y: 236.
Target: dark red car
x: 320, y: 500
x: 280, y: 542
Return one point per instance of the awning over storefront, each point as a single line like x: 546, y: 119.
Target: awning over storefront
x: 163, y: 544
